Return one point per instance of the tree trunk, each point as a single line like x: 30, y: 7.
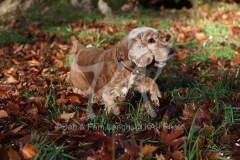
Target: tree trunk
x: 11, y: 8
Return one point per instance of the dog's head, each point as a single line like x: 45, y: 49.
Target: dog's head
x: 145, y: 45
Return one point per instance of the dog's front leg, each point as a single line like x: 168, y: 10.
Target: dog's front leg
x: 147, y: 85
x: 110, y: 104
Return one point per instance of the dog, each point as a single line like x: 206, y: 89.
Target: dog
x: 109, y: 75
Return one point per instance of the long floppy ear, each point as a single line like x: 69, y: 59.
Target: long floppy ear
x: 138, y: 52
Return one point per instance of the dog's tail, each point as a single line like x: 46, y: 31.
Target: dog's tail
x: 76, y: 45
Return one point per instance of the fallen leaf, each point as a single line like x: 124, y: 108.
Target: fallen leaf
x: 235, y: 60
x: 131, y: 149
x: 182, y: 56
x: 62, y: 100
x: 189, y: 112
x: 236, y: 30
x: 160, y: 157
x: 178, y: 155
x: 147, y: 150
x: 12, y: 107
x: 66, y: 116
x: 171, y: 138
x: 33, y: 111
x: 213, y: 57
x: 3, y: 93
x: 13, y: 155
x: 28, y: 151
x: 15, y: 130
x: 200, y: 36
x: 18, y: 49
x: 34, y: 63
x: 3, y: 114
x: 4, y: 152
x: 203, y: 117
x: 74, y: 99
x: 58, y: 63
x: 11, y: 80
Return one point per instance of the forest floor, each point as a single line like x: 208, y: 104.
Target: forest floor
x: 199, y: 115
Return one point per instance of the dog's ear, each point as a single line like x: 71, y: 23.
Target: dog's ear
x: 75, y: 45
x: 138, y: 52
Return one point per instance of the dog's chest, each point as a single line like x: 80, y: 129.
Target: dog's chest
x: 128, y: 83
x: 121, y: 89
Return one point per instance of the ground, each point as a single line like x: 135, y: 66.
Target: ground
x: 41, y: 118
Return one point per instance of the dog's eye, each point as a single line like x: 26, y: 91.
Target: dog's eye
x: 151, y: 40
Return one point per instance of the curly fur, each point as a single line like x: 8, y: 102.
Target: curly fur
x: 98, y: 72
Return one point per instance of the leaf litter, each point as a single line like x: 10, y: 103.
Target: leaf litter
x: 33, y: 87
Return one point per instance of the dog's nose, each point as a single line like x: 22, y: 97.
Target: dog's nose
x: 170, y: 52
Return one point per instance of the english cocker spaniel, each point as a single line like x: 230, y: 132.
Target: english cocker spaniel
x: 108, y: 75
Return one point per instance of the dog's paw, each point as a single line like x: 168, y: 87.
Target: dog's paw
x: 155, y: 94
x: 116, y: 111
x: 155, y: 99
x: 113, y: 110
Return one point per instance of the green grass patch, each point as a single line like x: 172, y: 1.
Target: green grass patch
x: 10, y: 37
x: 48, y: 149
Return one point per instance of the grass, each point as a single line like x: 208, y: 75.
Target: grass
x: 54, y: 110
x: 191, y: 147
x: 216, y: 93
x: 136, y: 119
x: 7, y: 36
x: 46, y: 149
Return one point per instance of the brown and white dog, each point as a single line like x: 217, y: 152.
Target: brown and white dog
x: 108, y: 75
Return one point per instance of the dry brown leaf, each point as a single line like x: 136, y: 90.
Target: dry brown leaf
x: 235, y: 60
x: 204, y: 116
x: 11, y: 80
x: 58, y: 63
x: 28, y: 151
x: 147, y: 150
x: 15, y: 61
x: 201, y: 141
x: 34, y: 63
x: 189, y: 112
x: 212, y: 154
x: 66, y: 116
x: 110, y: 29
x: 12, y: 107
x: 33, y: 111
x: 236, y: 30
x: 177, y: 155
x: 62, y: 100
x: 74, y: 99
x: 172, y: 139
x: 200, y: 36
x: 180, y: 37
x: 18, y: 49
x: 13, y: 155
x: 11, y: 72
x: 3, y: 93
x: 131, y: 149
x: 3, y: 114
x: 182, y: 56
x: 15, y: 130
x: 160, y: 157
x: 213, y: 57
x: 60, y: 55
